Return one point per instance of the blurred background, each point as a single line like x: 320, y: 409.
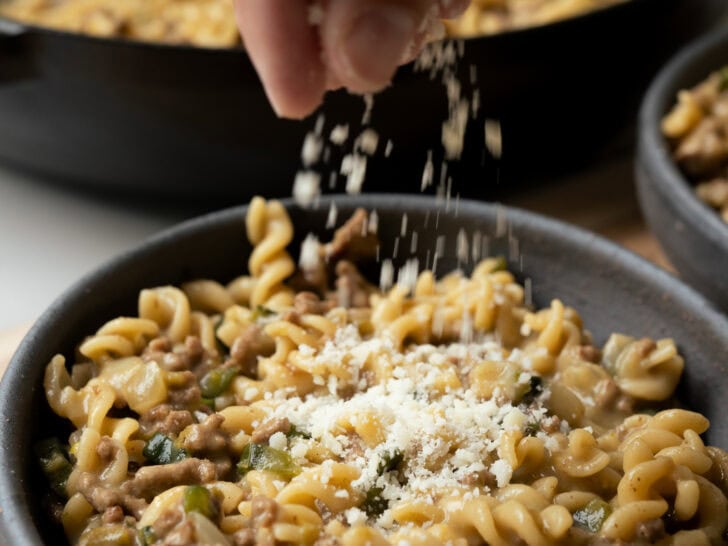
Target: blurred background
x: 112, y: 128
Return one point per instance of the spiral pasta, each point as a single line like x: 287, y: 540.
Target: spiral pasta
x: 207, y: 23
x: 440, y: 411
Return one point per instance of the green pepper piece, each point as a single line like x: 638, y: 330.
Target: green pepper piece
x: 222, y: 348
x: 147, y: 536
x: 532, y: 428
x: 723, y: 73
x: 374, y: 504
x: 261, y: 312
x: 209, y: 402
x: 390, y: 461
x: 199, y: 499
x: 160, y: 449
x: 261, y: 457
x: 527, y: 392
x: 55, y: 464
x: 501, y: 264
x: 592, y: 516
x: 217, y: 381
x: 295, y: 432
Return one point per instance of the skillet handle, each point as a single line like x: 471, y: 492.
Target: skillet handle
x: 10, y: 30
x: 13, y: 65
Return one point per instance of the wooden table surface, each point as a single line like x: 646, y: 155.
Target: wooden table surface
x: 609, y: 209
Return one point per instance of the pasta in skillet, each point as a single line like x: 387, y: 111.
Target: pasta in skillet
x: 206, y: 23
x: 494, y: 16
x: 305, y: 406
x: 211, y: 23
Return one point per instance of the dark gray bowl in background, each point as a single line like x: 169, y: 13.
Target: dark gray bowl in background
x: 693, y: 235
x: 613, y: 290
x: 194, y: 123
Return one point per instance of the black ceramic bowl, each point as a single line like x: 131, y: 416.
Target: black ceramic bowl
x: 612, y: 289
x: 692, y: 234
x: 149, y: 118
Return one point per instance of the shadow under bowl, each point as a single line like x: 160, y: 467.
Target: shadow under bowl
x: 613, y: 290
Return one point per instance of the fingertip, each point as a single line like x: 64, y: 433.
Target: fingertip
x: 286, y: 52
x: 295, y: 105
x: 366, y: 41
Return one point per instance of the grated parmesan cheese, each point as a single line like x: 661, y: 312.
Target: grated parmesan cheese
x: 415, y: 418
x: 332, y: 216
x: 339, y: 135
x: 310, y: 255
x: 278, y: 440
x: 312, y: 148
x: 306, y: 188
x: 493, y: 138
x: 368, y: 141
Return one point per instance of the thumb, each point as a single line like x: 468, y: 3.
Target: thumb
x: 364, y: 41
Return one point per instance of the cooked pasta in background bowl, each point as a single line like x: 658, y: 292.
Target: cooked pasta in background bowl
x: 414, y: 373
x: 682, y: 165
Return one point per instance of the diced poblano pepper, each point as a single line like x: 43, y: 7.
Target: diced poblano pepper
x: 217, y: 381
x: 160, y: 449
x: 592, y: 516
x: 390, y: 461
x: 55, y: 464
x: 262, y: 457
x: 374, y: 504
x: 261, y: 312
x: 199, y: 499
x: 147, y: 536
x: 295, y: 432
x: 526, y: 393
x: 723, y: 73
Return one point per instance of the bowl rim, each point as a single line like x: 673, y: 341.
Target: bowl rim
x: 16, y: 520
x: 654, y: 153
x: 21, y: 27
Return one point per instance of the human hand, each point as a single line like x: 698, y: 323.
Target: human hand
x: 357, y: 44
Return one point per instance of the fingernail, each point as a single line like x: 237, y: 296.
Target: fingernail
x: 375, y: 44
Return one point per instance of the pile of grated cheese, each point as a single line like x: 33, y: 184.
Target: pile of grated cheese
x: 445, y: 435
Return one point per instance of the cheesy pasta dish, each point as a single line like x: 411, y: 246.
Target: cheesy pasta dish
x: 210, y: 23
x: 302, y: 405
x: 697, y: 129
x: 494, y: 16
x: 206, y: 23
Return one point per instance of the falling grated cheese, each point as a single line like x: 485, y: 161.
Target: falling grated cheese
x: 310, y: 253
x: 339, y: 134
x: 494, y: 138
x: 354, y: 167
x: 368, y: 141
x: 428, y: 173
x: 311, y: 151
x: 332, y: 216
x: 386, y: 275
x: 306, y: 188
x: 388, y: 148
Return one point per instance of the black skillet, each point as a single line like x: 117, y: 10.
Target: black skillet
x: 177, y: 121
